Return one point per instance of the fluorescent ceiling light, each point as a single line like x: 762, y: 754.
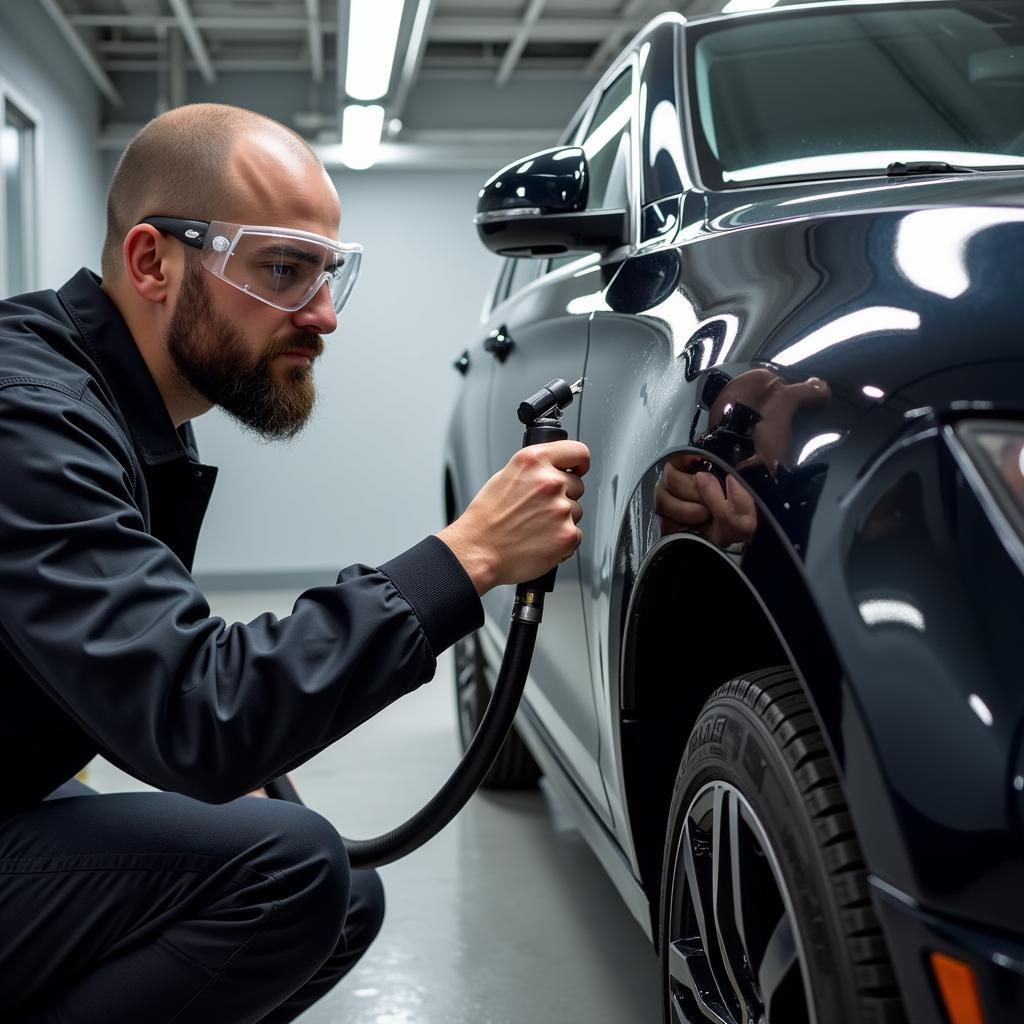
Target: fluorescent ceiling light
x: 733, y: 6
x: 360, y: 135
x: 372, y: 38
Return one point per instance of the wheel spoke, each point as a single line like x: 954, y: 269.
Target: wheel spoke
x: 779, y: 959
x: 681, y: 972
x: 726, y: 907
x: 718, y: 993
x: 694, y: 886
x: 466, y: 690
x: 736, y: 872
x: 732, y: 951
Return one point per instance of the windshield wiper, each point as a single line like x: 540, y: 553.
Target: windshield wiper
x: 898, y: 169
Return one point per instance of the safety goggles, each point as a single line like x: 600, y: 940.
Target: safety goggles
x: 282, y: 267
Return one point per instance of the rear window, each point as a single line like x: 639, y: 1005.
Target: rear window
x: 794, y: 96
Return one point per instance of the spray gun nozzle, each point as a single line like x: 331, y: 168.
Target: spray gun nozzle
x: 549, y: 401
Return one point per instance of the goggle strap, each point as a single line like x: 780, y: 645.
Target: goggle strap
x: 191, y: 232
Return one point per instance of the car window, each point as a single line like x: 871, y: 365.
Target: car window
x: 662, y: 163
x: 607, y: 146
x: 521, y: 272
x: 571, y: 134
x: 560, y: 261
x: 804, y: 96
x: 609, y: 140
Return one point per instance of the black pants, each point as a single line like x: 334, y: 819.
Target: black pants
x: 151, y: 908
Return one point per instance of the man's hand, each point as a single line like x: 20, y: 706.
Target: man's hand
x: 523, y: 521
x: 687, y: 499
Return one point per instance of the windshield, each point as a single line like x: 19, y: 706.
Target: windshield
x: 801, y: 95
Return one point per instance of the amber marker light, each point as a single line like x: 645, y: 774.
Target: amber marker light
x: 959, y: 989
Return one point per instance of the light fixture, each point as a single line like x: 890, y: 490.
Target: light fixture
x: 995, y: 449
x: 959, y: 989
x: 361, y: 129
x: 372, y: 39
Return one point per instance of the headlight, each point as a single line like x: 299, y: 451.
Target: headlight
x: 996, y: 451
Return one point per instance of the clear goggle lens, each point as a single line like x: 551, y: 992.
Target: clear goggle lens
x: 281, y: 267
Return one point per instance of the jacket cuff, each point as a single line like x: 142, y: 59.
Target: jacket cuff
x: 433, y: 581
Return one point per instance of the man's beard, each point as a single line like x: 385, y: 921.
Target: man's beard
x: 211, y: 357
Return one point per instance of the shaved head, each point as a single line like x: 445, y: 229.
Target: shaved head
x: 185, y: 163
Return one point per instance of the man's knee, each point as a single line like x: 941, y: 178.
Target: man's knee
x: 309, y: 863
x: 365, y: 910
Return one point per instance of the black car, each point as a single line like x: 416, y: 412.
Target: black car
x: 780, y: 684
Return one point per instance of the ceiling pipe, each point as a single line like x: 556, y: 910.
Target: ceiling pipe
x: 413, y: 56
x: 187, y: 24
x: 518, y: 44
x: 316, y: 41
x: 83, y: 52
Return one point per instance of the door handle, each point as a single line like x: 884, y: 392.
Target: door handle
x: 499, y: 343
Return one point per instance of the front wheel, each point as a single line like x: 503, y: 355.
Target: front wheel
x: 765, y: 912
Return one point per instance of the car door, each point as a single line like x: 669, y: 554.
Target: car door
x: 630, y: 363
x: 543, y: 327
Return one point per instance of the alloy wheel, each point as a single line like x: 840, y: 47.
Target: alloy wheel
x: 734, y: 953
x: 467, y: 669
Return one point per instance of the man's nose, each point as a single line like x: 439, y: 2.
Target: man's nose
x: 317, y: 316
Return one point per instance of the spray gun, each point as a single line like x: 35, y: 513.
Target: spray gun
x: 541, y: 415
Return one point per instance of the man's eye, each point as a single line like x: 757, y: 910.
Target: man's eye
x: 281, y: 269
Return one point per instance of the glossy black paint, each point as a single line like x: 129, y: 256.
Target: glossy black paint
x: 536, y: 206
x: 816, y: 343
x: 552, y: 181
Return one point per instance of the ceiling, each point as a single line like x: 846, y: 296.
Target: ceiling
x: 471, y: 77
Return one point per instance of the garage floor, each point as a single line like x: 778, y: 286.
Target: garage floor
x: 506, y: 917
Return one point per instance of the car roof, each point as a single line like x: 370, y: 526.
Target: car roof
x: 809, y: 6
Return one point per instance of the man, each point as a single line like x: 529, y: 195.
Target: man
x: 160, y: 907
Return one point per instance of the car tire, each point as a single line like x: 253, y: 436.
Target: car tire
x: 514, y: 767
x: 765, y: 909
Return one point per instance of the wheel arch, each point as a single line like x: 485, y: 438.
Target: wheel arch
x: 695, y: 606
x: 451, y: 507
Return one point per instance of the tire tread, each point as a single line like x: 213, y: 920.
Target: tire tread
x: 777, y: 697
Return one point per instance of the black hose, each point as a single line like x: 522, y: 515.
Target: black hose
x: 470, y: 772
x: 501, y: 709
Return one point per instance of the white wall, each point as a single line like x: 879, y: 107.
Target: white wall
x: 364, y: 480
x: 37, y: 63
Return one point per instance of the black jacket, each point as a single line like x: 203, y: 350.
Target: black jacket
x: 106, y: 643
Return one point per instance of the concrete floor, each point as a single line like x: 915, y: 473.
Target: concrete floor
x: 506, y: 917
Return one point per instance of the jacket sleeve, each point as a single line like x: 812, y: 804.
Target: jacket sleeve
x: 110, y: 624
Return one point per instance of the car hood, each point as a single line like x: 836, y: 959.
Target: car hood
x: 914, y: 283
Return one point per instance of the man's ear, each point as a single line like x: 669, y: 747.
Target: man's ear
x: 151, y: 262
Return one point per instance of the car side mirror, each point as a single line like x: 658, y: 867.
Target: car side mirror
x: 536, y: 207
x: 644, y: 281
